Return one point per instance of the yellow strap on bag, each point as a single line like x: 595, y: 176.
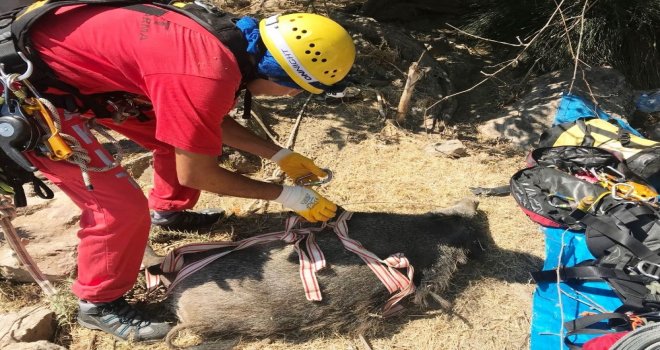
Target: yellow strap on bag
x: 603, y: 134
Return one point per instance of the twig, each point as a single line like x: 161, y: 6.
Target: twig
x: 294, y: 130
x: 261, y: 123
x: 92, y: 342
x: 566, y: 32
x: 277, y: 175
x: 414, y: 75
x: 577, y: 54
x: 364, y: 342
x: 484, y: 39
x: 513, y: 62
x: 381, y: 104
x: 559, y: 291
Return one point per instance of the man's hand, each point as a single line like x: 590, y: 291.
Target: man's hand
x: 295, y: 165
x: 307, y: 203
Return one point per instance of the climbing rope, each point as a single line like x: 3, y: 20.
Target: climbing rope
x: 80, y: 156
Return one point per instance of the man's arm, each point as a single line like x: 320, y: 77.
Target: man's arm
x: 293, y: 164
x: 236, y: 136
x: 202, y: 172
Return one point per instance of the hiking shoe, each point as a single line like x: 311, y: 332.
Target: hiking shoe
x: 187, y: 220
x: 121, y: 320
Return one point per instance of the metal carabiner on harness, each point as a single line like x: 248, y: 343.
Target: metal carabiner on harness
x: 649, y: 269
x: 305, y: 179
x: 17, y: 132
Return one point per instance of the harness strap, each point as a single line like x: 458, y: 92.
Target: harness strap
x: 620, y: 236
x: 585, y: 273
x: 311, y: 260
x: 581, y: 326
x: 588, y: 140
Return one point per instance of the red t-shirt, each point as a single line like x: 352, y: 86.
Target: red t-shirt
x: 189, y: 76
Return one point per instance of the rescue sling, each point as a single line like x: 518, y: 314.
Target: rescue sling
x: 28, y: 121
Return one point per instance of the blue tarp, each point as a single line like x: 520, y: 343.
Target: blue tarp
x: 569, y: 247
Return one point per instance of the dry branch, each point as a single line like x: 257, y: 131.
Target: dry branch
x: 414, y: 74
x: 409, y: 50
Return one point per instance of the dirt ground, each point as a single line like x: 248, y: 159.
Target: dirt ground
x: 381, y: 166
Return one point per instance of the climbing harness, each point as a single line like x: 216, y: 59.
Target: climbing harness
x: 311, y: 260
x: 29, y: 122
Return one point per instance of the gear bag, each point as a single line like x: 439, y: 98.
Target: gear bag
x: 589, y: 189
x: 559, y: 177
x: 642, y: 156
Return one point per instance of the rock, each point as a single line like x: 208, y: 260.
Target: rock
x: 29, y: 324
x: 37, y: 345
x: 49, y: 228
x: 450, y: 148
x: 524, y: 121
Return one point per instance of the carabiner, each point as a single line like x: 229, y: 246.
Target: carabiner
x: 9, y: 79
x: 649, y: 269
x: 301, y: 180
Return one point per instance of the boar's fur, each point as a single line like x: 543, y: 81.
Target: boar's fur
x: 257, y: 292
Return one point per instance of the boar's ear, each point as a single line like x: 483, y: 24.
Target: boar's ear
x: 466, y: 207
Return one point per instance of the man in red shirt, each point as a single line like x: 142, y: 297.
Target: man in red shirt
x: 191, y: 79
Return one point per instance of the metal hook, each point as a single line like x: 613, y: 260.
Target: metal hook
x: 28, y: 71
x: 8, y: 79
x: 305, y: 180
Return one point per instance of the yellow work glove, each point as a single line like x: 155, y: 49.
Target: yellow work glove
x: 295, y: 165
x: 307, y: 203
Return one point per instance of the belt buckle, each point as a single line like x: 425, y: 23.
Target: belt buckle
x: 649, y: 269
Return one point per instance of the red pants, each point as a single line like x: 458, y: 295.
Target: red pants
x: 115, y: 218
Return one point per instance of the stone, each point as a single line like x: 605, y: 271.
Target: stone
x: 49, y: 228
x: 524, y: 121
x: 450, y: 148
x: 29, y: 324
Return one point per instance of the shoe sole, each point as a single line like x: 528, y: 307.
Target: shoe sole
x: 95, y: 327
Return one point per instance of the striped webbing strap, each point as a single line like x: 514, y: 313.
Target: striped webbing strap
x: 7, y: 213
x: 311, y: 259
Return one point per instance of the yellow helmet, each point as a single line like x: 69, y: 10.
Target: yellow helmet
x: 315, y: 51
